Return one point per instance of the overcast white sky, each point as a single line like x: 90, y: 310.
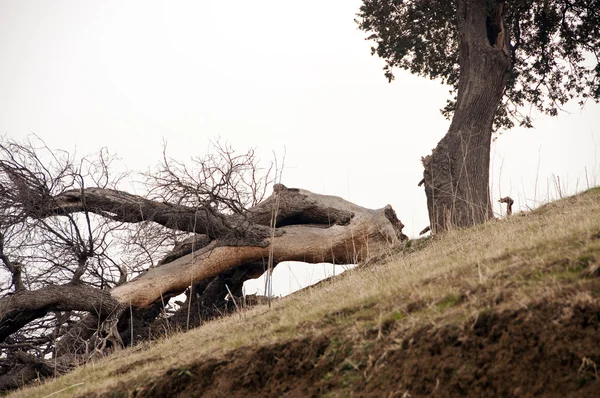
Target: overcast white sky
x: 269, y: 74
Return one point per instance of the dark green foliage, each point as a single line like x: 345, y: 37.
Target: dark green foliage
x: 555, y: 47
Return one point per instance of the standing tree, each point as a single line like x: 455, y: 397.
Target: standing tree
x: 497, y: 56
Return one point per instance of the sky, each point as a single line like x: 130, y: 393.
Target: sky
x: 293, y: 79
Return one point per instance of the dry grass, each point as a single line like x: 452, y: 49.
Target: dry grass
x: 448, y: 279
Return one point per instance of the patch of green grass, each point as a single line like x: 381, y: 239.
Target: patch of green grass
x: 592, y: 190
x: 585, y: 260
x: 389, y: 319
x: 398, y: 316
x: 583, y: 380
x: 351, y: 377
x: 347, y: 366
x: 337, y: 349
x: 414, y: 245
x: 184, y: 372
x: 569, y: 273
x: 578, y: 269
x: 450, y: 300
x: 286, y: 330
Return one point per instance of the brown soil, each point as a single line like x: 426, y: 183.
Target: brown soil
x: 549, y: 349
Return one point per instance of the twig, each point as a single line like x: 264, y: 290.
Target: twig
x: 64, y: 389
x: 232, y: 297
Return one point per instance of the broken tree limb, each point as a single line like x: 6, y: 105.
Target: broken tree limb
x: 509, y: 203
x: 125, y: 207
x: 20, y: 308
x: 311, y: 227
x: 230, y: 243
x: 309, y: 239
x: 294, y: 208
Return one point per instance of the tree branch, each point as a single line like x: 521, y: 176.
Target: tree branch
x: 20, y: 308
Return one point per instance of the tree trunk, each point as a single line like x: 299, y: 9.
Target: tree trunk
x: 290, y: 225
x: 310, y: 227
x: 457, y: 172
x: 307, y: 227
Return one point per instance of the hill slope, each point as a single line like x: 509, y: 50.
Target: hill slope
x: 510, y: 308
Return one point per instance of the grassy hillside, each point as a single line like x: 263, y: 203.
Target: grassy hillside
x: 510, y: 308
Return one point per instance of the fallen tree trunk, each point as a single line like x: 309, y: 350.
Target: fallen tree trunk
x: 308, y: 227
x: 307, y: 235
x: 70, y: 299
x: 290, y: 225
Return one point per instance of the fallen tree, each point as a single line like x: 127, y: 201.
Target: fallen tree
x: 69, y: 300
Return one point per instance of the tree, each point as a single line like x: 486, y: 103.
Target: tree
x: 90, y: 268
x: 498, y: 56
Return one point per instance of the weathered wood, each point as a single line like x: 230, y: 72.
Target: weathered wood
x: 290, y: 225
x: 309, y: 227
x: 123, y: 206
x: 366, y: 232
x: 20, y: 308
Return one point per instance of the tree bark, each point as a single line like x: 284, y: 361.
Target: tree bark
x: 123, y: 206
x: 457, y: 172
x: 349, y: 234
x: 22, y: 307
x: 308, y: 227
x: 290, y: 225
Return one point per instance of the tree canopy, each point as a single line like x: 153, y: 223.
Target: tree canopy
x: 554, y: 47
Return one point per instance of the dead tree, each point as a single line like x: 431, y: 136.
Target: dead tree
x: 67, y: 299
x: 509, y: 204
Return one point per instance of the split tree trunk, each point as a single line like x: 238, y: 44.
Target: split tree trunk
x: 457, y: 172
x: 290, y: 225
x: 308, y: 227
